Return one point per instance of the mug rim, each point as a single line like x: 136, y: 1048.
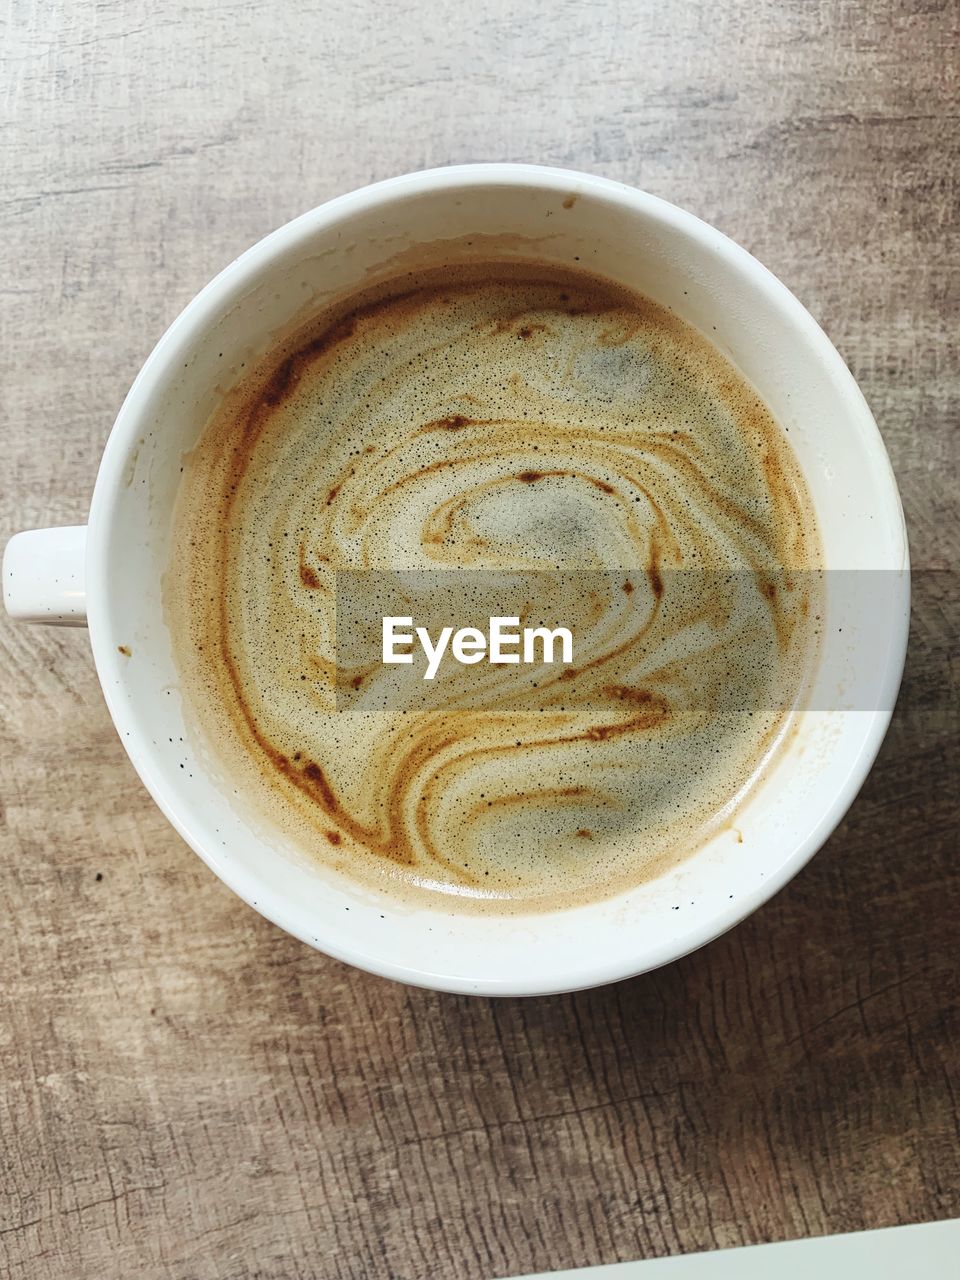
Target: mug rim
x: 207, y: 305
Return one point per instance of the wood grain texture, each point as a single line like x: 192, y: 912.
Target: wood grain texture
x: 186, y: 1091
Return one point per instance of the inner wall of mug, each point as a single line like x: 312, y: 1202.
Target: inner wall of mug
x: 550, y: 216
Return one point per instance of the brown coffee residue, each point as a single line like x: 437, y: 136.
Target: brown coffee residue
x: 456, y: 422
x: 309, y: 577
x: 602, y: 434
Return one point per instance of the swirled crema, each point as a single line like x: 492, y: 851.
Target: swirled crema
x: 518, y: 440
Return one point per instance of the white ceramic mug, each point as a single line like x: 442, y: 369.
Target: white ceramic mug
x: 108, y: 574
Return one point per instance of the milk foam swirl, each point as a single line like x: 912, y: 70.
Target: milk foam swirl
x: 514, y: 421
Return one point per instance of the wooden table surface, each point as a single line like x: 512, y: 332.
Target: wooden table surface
x: 188, y: 1092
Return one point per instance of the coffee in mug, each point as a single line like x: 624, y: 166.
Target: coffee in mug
x: 499, y: 440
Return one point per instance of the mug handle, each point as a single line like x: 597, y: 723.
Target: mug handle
x: 44, y: 578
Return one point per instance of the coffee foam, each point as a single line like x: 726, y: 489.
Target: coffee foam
x: 501, y: 417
